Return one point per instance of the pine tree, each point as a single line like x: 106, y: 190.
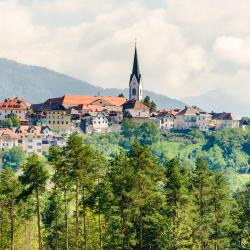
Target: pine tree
x: 179, y: 205
x: 120, y: 227
x: 201, y: 188
x: 240, y: 235
x: 62, y: 186
x: 221, y: 206
x: 73, y: 154
x: 147, y: 199
x: 34, y: 178
x: 10, y: 189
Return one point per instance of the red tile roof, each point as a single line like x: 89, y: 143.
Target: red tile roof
x: 73, y: 100
x: 89, y: 108
x: 134, y: 104
x: 7, y: 133
x: 25, y: 129
x: 14, y: 104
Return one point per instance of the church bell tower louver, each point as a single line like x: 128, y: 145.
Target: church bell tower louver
x: 135, y: 84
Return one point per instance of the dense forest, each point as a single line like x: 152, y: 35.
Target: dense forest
x: 137, y: 189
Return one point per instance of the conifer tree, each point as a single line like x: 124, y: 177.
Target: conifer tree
x: 148, y: 198
x: 221, y: 206
x: 62, y: 186
x: 34, y: 179
x: 201, y: 189
x: 10, y: 188
x: 179, y: 205
x: 73, y: 156
x: 240, y: 236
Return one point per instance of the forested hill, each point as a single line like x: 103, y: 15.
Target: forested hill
x: 119, y: 191
x: 37, y: 84
x: 227, y: 150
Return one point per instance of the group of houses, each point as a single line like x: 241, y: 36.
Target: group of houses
x: 45, y: 124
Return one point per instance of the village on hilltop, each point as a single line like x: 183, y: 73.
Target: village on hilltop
x: 35, y: 127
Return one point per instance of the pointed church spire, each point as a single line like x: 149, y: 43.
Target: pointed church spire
x: 135, y: 85
x: 136, y: 69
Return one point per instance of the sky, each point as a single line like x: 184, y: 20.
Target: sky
x: 185, y: 47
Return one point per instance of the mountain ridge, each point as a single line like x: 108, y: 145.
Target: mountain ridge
x: 36, y: 84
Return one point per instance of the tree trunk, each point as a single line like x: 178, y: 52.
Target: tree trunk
x: 66, y: 220
x: 84, y: 221
x: 11, y: 211
x: 56, y: 233
x: 38, y: 221
x: 99, y: 220
x: 77, y: 217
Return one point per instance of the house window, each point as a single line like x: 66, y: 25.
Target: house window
x: 134, y: 92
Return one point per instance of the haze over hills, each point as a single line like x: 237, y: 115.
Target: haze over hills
x: 36, y: 84
x: 219, y: 101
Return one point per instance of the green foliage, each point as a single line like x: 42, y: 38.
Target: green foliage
x: 179, y: 205
x: 240, y: 236
x: 10, y: 122
x: 128, y: 196
x: 14, y: 158
x: 148, y: 133
x: 151, y: 104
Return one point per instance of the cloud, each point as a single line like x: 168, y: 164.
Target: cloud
x: 233, y: 49
x: 185, y: 47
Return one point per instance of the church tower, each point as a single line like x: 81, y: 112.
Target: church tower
x: 135, y: 84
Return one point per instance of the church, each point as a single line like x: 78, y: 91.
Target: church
x: 135, y: 83
x: 134, y: 108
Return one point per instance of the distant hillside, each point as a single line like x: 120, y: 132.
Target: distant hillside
x: 219, y: 101
x: 37, y: 84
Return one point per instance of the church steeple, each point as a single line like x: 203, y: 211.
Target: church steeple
x: 135, y: 85
x: 136, y: 68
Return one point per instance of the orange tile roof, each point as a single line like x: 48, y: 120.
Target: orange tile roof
x: 25, y: 129
x: 89, y: 108
x: 13, y: 104
x: 73, y: 100
x: 7, y: 133
x: 171, y: 111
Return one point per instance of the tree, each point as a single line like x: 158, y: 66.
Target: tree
x: 148, y: 133
x: 34, y: 178
x: 15, y: 121
x: 201, y: 190
x: 7, y: 123
x: 10, y: 188
x: 10, y: 122
x: 179, y: 205
x: 121, y: 95
x: 221, y: 202
x: 240, y: 236
x: 14, y: 158
x: 148, y: 199
x: 151, y: 104
x: 129, y: 129
x: 60, y: 195
x: 121, y: 180
x: 73, y: 154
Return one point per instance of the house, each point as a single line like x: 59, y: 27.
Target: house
x: 136, y: 110
x: 8, y: 139
x: 14, y: 106
x: 30, y: 138
x: 164, y: 119
x: 64, y: 113
x: 192, y: 117
x: 94, y: 122
x: 225, y: 120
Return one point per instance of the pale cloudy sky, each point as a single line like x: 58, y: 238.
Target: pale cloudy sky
x: 186, y: 47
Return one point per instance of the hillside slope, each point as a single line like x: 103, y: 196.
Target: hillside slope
x: 36, y: 84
